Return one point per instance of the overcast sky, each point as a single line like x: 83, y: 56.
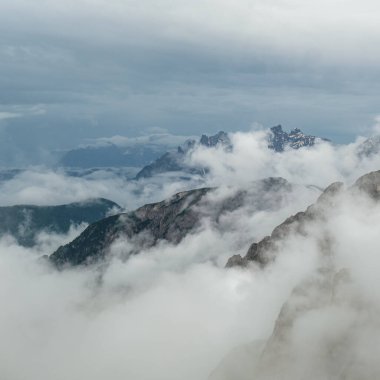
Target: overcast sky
x: 77, y: 69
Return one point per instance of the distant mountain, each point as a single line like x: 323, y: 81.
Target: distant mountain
x: 110, y: 156
x: 176, y: 160
x: 279, y: 140
x: 120, y: 151
x: 24, y: 222
x: 169, y: 220
x: 156, y: 155
x: 266, y: 249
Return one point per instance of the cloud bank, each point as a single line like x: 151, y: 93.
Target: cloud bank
x: 188, y: 68
x: 174, y: 311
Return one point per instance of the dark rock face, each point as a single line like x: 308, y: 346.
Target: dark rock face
x: 175, y: 161
x: 279, y: 139
x: 265, y: 250
x: 169, y: 220
x: 24, y: 222
x: 221, y: 138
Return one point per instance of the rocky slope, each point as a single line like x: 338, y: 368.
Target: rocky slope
x: 176, y: 160
x: 264, y: 250
x: 25, y: 222
x: 169, y: 220
x: 327, y: 326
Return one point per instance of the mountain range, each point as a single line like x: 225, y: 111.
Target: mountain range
x: 278, y: 140
x: 174, y: 218
x: 110, y: 155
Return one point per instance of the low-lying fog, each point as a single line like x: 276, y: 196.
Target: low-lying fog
x: 174, y: 312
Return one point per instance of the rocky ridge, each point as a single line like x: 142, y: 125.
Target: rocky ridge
x: 279, y: 140
x: 266, y: 249
x: 176, y: 160
x: 169, y: 220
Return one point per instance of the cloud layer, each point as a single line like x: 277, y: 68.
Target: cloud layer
x: 189, y: 68
x: 173, y: 311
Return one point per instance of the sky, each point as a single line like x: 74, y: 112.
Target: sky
x: 78, y: 71
x: 75, y: 70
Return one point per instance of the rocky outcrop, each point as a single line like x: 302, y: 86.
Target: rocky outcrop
x: 279, y: 140
x: 171, y: 220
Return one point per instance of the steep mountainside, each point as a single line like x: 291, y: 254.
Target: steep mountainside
x: 24, y: 222
x: 170, y: 220
x: 325, y: 325
x: 264, y: 250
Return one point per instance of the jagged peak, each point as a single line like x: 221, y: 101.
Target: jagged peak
x: 277, y: 128
x: 279, y: 139
x: 219, y: 138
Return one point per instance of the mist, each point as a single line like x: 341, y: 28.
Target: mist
x: 328, y: 327
x: 249, y: 161
x: 175, y: 311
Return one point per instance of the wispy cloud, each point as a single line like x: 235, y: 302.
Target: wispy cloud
x: 19, y: 111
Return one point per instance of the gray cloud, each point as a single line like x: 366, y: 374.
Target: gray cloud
x: 188, y: 68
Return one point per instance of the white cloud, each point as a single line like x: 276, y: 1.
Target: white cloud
x: 22, y: 111
x: 176, y: 307
x: 9, y: 115
x: 328, y: 31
